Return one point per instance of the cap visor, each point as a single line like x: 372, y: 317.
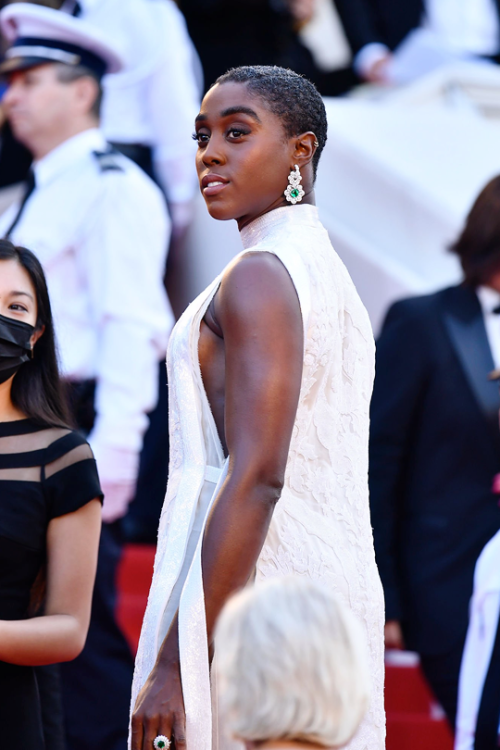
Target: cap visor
x: 21, y: 63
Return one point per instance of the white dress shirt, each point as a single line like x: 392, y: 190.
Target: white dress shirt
x: 102, y: 238
x: 485, y: 602
x: 464, y: 27
x: 483, y: 621
x: 154, y: 101
x: 489, y: 299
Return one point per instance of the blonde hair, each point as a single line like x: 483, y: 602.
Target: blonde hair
x: 291, y: 664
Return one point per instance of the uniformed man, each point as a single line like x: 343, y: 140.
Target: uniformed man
x: 100, y: 227
x: 150, y: 106
x: 148, y: 114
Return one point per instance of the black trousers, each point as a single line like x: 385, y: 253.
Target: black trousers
x: 140, y: 525
x: 50, y: 692
x: 442, y: 673
x: 97, y: 685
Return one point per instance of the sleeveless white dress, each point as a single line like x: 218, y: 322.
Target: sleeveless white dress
x: 321, y: 525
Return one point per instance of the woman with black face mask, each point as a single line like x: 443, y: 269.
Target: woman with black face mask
x: 50, y: 502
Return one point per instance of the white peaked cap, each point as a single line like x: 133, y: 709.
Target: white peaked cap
x: 38, y: 35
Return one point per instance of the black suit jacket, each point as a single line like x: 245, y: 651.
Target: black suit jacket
x: 434, y: 450
x: 386, y: 21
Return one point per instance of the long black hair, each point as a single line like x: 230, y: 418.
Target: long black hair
x: 37, y: 390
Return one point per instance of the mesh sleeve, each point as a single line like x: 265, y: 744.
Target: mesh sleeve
x: 70, y: 476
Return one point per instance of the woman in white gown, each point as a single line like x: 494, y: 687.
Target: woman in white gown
x: 270, y: 376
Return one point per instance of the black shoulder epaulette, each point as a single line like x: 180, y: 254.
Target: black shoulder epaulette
x: 109, y: 160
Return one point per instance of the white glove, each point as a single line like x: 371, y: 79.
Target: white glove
x: 371, y: 62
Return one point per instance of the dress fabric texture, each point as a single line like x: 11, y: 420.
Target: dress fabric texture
x: 44, y: 473
x: 321, y: 526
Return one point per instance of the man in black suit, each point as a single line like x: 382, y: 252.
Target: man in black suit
x: 375, y: 28
x: 435, y: 450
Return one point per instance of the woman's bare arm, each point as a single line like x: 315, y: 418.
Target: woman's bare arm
x: 259, y: 314
x: 59, y: 635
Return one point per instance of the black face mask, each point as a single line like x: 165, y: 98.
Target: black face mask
x: 15, y: 346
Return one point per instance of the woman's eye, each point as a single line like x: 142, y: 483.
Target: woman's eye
x: 236, y: 133
x: 18, y: 308
x: 201, y: 138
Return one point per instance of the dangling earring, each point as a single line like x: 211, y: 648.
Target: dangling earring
x: 294, y: 192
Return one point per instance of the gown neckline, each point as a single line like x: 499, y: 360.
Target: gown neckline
x: 259, y: 228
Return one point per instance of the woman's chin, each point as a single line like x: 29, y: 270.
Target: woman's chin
x: 220, y: 211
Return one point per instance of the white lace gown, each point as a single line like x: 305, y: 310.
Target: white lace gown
x: 321, y: 526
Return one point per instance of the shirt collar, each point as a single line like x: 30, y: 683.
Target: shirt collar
x: 67, y: 153
x: 489, y: 299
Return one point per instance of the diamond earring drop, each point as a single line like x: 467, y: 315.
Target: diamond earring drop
x: 294, y: 192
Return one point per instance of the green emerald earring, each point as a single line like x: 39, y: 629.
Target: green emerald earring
x: 294, y: 192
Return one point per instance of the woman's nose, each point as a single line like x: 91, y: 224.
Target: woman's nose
x: 214, y: 153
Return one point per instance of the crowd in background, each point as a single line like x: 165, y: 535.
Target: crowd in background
x: 435, y: 445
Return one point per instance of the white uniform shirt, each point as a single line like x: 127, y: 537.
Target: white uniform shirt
x: 489, y: 299
x: 154, y: 101
x: 468, y: 27
x: 102, y: 238
x: 483, y: 622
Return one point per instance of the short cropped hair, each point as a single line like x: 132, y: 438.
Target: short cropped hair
x: 70, y: 73
x: 291, y: 664
x: 288, y: 95
x: 478, y: 246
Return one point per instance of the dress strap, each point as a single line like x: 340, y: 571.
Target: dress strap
x: 193, y: 646
x: 212, y: 474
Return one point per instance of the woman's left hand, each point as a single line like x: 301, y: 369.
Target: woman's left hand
x: 159, y: 709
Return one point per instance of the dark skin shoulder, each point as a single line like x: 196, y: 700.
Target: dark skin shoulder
x: 211, y: 348
x: 260, y: 372
x: 251, y: 355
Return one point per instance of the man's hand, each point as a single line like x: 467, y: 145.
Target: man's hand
x: 393, y: 635
x: 118, y: 469
x: 302, y: 10
x: 117, y: 497
x: 377, y: 72
x: 159, y: 709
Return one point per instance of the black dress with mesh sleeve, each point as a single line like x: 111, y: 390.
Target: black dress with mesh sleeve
x: 44, y: 473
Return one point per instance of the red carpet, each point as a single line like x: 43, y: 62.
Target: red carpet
x: 413, y: 720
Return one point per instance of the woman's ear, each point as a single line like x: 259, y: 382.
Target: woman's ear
x: 304, y: 147
x: 38, y: 333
